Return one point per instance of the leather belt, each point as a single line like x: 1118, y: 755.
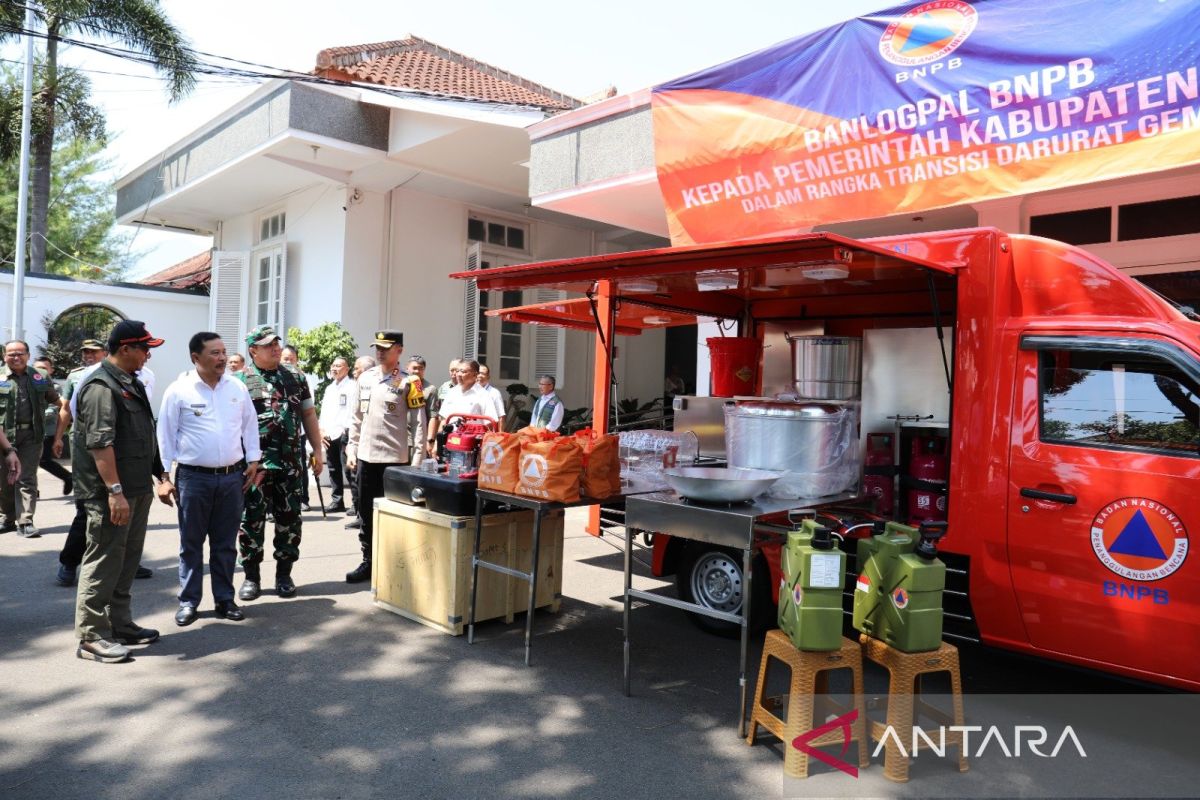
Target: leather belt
x: 28, y: 426
x: 238, y: 467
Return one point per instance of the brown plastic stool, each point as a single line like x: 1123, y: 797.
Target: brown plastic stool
x: 904, y: 710
x: 809, y: 679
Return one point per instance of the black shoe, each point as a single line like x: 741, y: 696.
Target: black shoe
x: 335, y: 508
x: 143, y: 572
x: 186, y: 615
x: 7, y: 527
x: 360, y: 573
x: 284, y: 585
x: 227, y: 609
x: 249, y: 591
x: 68, y: 486
x: 354, y: 523
x: 136, y: 635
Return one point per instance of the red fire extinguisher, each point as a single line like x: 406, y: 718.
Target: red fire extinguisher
x: 929, y: 465
x: 879, y: 472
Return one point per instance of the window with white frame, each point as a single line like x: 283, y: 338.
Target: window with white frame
x: 268, y: 277
x: 498, y: 232
x: 272, y: 226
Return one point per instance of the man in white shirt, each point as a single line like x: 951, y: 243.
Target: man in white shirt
x: 548, y: 410
x: 468, y: 397
x: 337, y: 411
x: 485, y: 380
x: 208, y: 425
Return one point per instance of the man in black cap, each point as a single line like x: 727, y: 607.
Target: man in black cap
x: 115, y: 458
x: 378, y: 435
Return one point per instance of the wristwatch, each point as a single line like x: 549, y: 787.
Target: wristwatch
x: 115, y: 489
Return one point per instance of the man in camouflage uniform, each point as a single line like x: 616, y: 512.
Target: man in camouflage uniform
x: 24, y: 395
x: 283, y: 404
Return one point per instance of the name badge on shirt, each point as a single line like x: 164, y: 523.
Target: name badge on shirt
x: 342, y: 399
x: 198, y: 408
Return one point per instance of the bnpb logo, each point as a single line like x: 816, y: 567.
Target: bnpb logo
x: 533, y: 470
x: 493, y: 454
x: 927, y: 33
x: 1139, y: 539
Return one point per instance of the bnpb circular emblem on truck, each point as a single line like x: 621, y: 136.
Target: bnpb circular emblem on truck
x: 1139, y: 539
x: 928, y: 32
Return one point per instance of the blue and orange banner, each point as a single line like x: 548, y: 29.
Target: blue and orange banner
x: 928, y: 105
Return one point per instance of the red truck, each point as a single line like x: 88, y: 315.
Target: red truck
x: 1074, y: 420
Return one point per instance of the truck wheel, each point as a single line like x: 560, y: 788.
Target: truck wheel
x: 712, y: 577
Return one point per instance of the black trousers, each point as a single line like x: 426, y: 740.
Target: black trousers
x: 50, y: 465
x: 71, y: 554
x: 339, y: 476
x: 370, y: 486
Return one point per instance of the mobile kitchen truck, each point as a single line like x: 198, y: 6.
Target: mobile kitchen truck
x: 1073, y: 414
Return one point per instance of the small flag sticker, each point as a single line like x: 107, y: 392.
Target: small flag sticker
x: 864, y: 583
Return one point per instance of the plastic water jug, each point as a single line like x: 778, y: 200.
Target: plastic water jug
x: 898, y: 594
x: 810, y: 591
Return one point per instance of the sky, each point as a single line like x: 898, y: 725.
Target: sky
x: 577, y: 48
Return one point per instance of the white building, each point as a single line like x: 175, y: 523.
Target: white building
x: 353, y: 197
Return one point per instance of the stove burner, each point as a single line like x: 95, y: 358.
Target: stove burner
x: 687, y: 501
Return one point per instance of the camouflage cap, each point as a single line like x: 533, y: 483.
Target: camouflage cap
x: 263, y: 334
x: 91, y: 344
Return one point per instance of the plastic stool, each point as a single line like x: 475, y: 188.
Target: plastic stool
x: 809, y: 679
x: 904, y: 710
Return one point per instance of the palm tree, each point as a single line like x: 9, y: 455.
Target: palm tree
x: 138, y: 25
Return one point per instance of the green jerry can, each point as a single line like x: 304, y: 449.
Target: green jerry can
x: 898, y: 595
x: 810, y: 591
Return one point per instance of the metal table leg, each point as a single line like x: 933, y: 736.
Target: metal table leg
x: 475, y: 568
x: 747, y: 593
x: 629, y: 533
x: 533, y: 573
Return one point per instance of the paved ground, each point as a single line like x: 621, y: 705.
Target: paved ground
x: 327, y: 696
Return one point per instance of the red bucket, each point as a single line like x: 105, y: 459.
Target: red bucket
x: 734, y: 365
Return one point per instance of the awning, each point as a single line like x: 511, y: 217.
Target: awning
x: 631, y: 318
x: 757, y: 279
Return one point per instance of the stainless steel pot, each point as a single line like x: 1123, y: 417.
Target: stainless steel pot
x: 826, y: 367
x: 790, y: 437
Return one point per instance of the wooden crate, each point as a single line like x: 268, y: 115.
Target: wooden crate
x: 422, y: 567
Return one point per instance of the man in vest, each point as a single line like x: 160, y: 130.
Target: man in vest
x: 114, y: 457
x: 418, y: 397
x: 548, y: 410
x: 285, y: 408
x: 24, y: 395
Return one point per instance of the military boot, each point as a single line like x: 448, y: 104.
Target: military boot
x: 284, y: 585
x: 360, y: 573
x: 250, y: 587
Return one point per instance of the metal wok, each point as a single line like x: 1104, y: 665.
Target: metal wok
x: 719, y: 484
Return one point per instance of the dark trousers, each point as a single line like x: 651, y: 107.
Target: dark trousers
x: 338, y: 474
x: 71, y: 554
x: 210, y: 508
x: 50, y: 465
x: 370, y: 486
x: 352, y: 482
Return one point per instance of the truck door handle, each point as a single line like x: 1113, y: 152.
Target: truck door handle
x: 1054, y: 497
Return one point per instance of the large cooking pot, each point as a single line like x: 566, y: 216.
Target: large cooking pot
x: 812, y: 443
x: 826, y: 367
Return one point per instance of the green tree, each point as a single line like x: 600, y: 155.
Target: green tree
x: 318, y: 347
x: 139, y: 26
x: 83, y: 239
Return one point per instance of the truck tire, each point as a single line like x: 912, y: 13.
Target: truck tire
x: 711, y: 576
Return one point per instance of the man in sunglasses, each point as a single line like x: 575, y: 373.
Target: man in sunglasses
x: 378, y: 436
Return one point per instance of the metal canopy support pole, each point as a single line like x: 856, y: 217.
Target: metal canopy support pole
x: 475, y: 568
x: 747, y: 593
x: 538, y: 513
x: 18, y: 317
x: 602, y: 375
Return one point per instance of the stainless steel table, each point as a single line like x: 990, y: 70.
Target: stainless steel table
x: 734, y: 525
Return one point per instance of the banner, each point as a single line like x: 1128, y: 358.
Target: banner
x: 928, y: 105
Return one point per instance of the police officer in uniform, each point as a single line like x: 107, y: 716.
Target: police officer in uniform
x: 284, y: 406
x: 378, y: 435
x: 24, y: 395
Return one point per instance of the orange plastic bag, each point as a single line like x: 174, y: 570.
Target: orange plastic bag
x: 601, y: 463
x: 498, y: 458
x: 530, y: 433
x: 550, y: 470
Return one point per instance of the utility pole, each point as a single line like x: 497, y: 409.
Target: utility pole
x: 18, y: 317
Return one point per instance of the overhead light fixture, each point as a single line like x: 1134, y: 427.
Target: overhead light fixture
x: 831, y: 272
x: 716, y: 281
x: 654, y: 319
x: 639, y: 286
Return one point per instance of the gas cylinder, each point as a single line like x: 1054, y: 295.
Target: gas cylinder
x: 898, y: 594
x: 810, y: 591
x: 879, y: 471
x: 929, y: 465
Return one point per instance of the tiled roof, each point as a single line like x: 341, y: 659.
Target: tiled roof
x: 423, y: 66
x: 192, y: 273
